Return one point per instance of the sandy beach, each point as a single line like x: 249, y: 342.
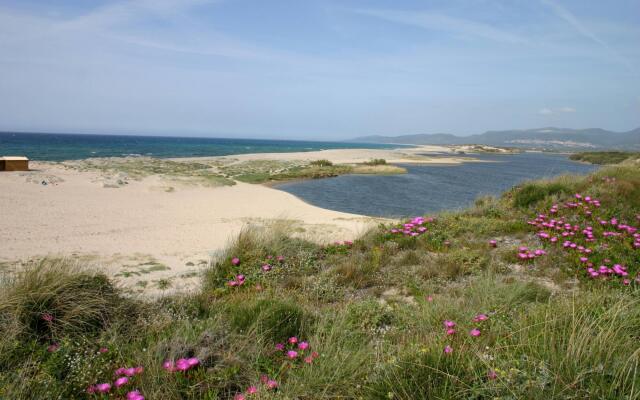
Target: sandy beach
x: 147, y: 235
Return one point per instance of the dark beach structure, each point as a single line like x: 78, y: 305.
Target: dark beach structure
x: 14, y: 163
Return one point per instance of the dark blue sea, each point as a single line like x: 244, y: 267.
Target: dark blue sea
x: 59, y: 147
x: 430, y: 188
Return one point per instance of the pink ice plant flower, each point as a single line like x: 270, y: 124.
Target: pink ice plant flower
x: 271, y: 384
x: 303, y: 345
x: 280, y: 346
x: 252, y: 390
x: 235, y: 261
x: 239, y: 396
x: 293, y: 340
x: 475, y: 332
x: 135, y: 395
x: 292, y: 354
x: 121, y: 381
x: 449, y: 324
x: 448, y: 349
x: 480, y: 318
x: 103, y: 387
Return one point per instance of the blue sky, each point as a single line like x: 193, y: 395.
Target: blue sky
x: 312, y: 69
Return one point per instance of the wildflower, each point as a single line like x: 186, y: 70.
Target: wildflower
x: 292, y: 354
x: 492, y: 374
x: 308, y: 359
x: 266, y: 267
x: 303, y: 345
x: 448, y: 349
x: 280, y: 346
x: 475, y: 332
x: 293, y: 340
x: 449, y: 324
x: 252, y: 390
x: 193, y: 362
x: 239, y: 396
x: 135, y: 395
x: 169, y: 366
x: 235, y: 261
x: 315, y: 354
x: 121, y: 381
x: 103, y: 387
x: 429, y: 298
x: 182, y: 364
x: 47, y: 317
x: 264, y: 379
x: 493, y: 243
x: 480, y: 317
x: 271, y: 384
x: 280, y: 258
x: 53, y: 347
x: 103, y: 350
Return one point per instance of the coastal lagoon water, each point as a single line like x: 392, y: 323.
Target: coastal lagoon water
x: 430, y: 188
x: 62, y: 146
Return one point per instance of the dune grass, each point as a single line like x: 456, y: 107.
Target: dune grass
x: 372, y: 309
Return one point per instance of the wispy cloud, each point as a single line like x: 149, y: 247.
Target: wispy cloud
x: 563, y: 13
x: 445, y: 23
x: 558, y: 110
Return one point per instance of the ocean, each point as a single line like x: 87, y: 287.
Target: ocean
x: 63, y: 146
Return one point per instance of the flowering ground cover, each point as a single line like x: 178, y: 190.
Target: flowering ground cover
x: 534, y: 294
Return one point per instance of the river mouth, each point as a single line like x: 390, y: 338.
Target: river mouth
x: 427, y: 189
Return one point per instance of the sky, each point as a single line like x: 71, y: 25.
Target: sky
x: 317, y: 69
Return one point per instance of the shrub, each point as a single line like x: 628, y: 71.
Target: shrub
x: 321, y: 163
x: 376, y: 161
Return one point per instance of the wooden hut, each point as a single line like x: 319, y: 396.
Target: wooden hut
x: 14, y: 163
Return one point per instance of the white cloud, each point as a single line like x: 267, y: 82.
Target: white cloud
x: 557, y: 110
x: 441, y: 22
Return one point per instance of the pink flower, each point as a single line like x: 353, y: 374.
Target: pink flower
x: 266, y: 268
x: 53, y: 347
x: 475, y: 332
x: 493, y: 243
x: 91, y: 389
x: 47, y: 317
x: 103, y: 387
x: 280, y: 346
x: 121, y: 381
x: 429, y: 298
x: 271, y: 384
x: 139, y: 370
x: 315, y: 354
x: 448, y: 349
x: 480, y: 317
x: 451, y: 331
x: 293, y: 340
x: 103, y: 350
x: 264, y: 379
x: 169, y: 366
x: 292, y: 354
x: 239, y: 396
x: 252, y: 390
x: 492, y: 374
x: 235, y: 261
x: 182, y: 364
x: 449, y: 324
x: 308, y: 359
x: 135, y: 395
x: 280, y: 258
x: 303, y: 345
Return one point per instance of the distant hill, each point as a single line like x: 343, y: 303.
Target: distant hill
x: 542, y: 138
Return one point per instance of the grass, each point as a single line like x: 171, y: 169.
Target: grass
x: 264, y: 171
x: 372, y: 309
x: 605, y: 157
x: 140, y: 167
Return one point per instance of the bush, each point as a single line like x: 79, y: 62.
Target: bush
x: 321, y: 163
x: 376, y: 161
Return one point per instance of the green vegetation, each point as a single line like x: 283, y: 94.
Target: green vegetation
x: 376, y: 161
x: 604, y: 157
x: 262, y: 171
x: 373, y: 310
x: 140, y: 167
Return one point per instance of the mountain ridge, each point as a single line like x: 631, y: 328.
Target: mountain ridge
x: 539, y: 138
